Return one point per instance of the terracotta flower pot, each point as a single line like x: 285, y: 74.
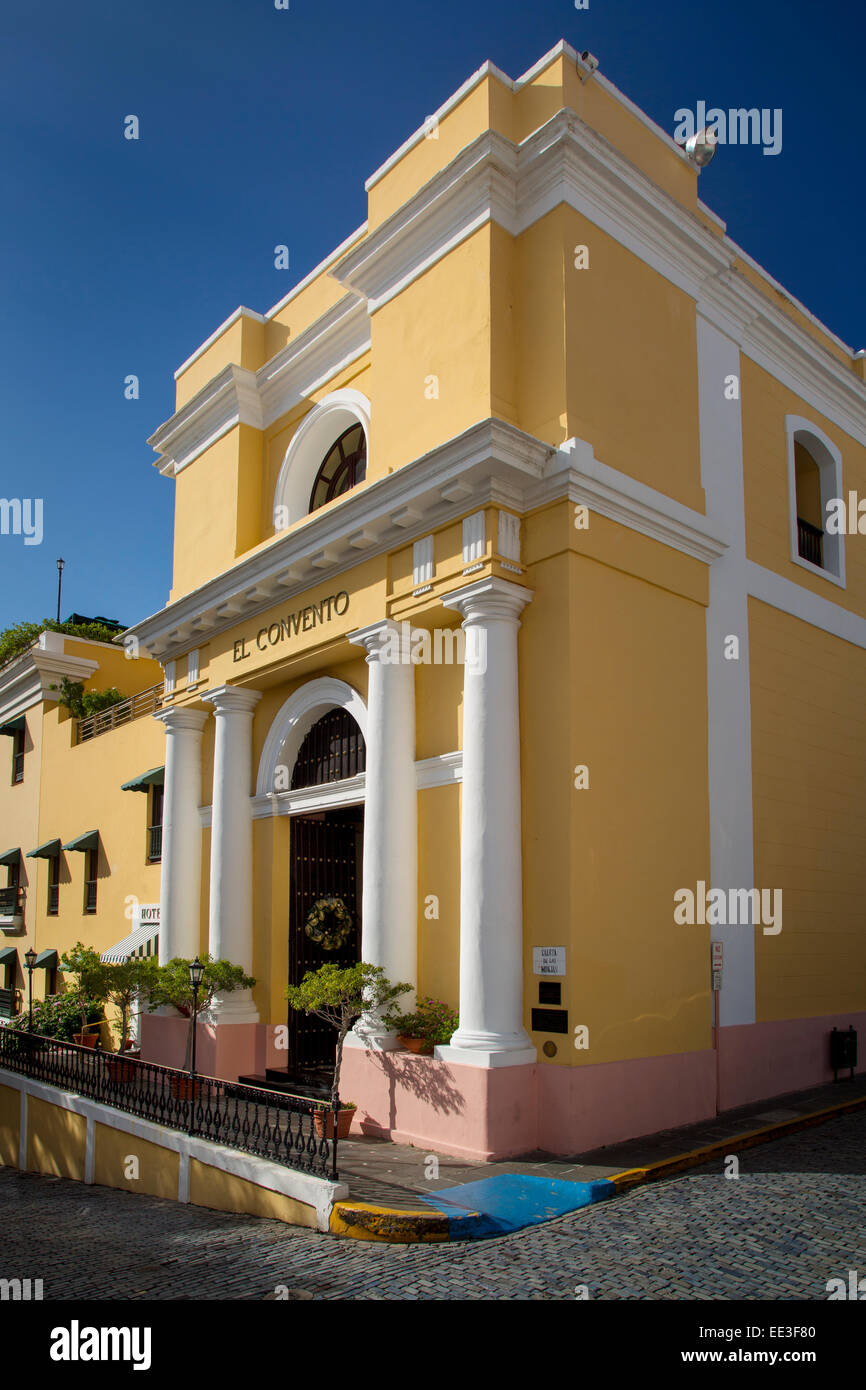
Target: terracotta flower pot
x: 324, y: 1122
x: 420, y: 1045
x: 124, y: 1068
x: 85, y: 1039
x: 181, y: 1087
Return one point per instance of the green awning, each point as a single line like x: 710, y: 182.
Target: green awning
x: 85, y: 842
x: 14, y: 726
x: 50, y: 850
x: 9, y: 955
x: 10, y: 858
x: 46, y: 960
x: 154, y: 777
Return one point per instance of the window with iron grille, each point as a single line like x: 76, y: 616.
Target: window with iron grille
x: 154, y: 830
x: 333, y: 749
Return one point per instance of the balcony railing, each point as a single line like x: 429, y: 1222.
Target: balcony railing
x: 145, y: 702
x: 810, y: 542
x: 53, y: 899
x: 267, y: 1123
x: 10, y: 899
x: 154, y: 847
x: 17, y: 767
x: 90, y: 894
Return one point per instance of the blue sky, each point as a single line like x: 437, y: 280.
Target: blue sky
x: 258, y: 127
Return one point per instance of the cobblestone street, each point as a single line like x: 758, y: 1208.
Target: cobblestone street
x: 789, y: 1223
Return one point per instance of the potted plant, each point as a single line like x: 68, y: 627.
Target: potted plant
x: 130, y: 983
x: 432, y: 1023
x: 169, y: 984
x: 87, y: 985
x: 340, y: 996
x: 55, y: 1017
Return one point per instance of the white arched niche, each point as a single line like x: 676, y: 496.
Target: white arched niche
x: 294, y: 721
x: 335, y: 414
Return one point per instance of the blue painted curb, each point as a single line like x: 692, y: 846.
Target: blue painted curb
x: 511, y: 1202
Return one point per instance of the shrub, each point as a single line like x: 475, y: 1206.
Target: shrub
x: 432, y: 1019
x: 58, y: 1016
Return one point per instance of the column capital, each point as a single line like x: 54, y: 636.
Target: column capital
x: 381, y: 640
x: 188, y: 720
x: 489, y: 599
x: 232, y: 699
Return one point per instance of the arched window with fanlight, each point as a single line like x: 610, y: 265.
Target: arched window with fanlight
x: 815, y: 479
x: 343, y: 467
x: 329, y: 454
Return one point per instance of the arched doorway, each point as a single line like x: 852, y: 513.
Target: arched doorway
x: 325, y: 882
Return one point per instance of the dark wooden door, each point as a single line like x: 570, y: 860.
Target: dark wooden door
x: 326, y: 851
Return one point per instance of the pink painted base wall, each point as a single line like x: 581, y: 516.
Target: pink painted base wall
x: 229, y: 1051
x: 758, y: 1060
x: 470, y: 1112
x: 503, y: 1112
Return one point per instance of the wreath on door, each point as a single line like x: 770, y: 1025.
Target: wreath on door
x: 329, y: 923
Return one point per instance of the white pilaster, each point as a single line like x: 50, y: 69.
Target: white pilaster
x: 491, y: 1032
x: 180, y: 874
x: 389, y: 931
x: 728, y: 693
x: 231, y: 852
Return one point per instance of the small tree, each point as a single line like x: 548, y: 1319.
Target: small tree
x: 170, y: 985
x: 340, y: 996
x: 130, y: 983
x: 86, y: 979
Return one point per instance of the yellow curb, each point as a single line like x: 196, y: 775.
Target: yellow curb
x: 633, y: 1177
x: 364, y: 1221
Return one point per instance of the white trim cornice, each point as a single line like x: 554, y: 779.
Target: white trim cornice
x: 230, y: 399
x: 610, y: 493
x: 28, y: 679
x: 489, y: 463
x: 567, y: 161
x: 236, y: 396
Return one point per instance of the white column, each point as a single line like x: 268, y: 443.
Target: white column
x: 491, y: 1032
x: 231, y: 846
x: 389, y: 930
x: 180, y: 874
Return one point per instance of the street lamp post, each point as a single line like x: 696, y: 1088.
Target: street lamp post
x: 60, y: 567
x: 30, y: 962
x: 196, y: 972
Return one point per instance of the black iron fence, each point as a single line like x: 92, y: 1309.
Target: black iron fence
x: 286, y: 1129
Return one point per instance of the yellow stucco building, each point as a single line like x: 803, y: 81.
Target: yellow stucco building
x: 503, y: 609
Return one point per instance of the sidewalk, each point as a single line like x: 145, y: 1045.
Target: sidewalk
x: 392, y: 1198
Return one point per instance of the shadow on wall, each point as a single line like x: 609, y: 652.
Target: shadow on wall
x: 423, y: 1077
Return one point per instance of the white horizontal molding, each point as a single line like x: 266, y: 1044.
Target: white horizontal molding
x: 441, y: 771
x: 491, y: 462
x: 567, y: 161
x: 230, y: 399
x: 798, y: 601
x: 336, y: 340
x: 236, y: 396
x: 613, y: 494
